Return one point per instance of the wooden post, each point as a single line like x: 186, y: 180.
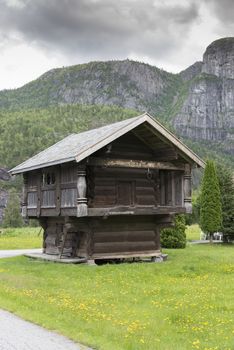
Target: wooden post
x: 39, y: 194
x: 44, y: 225
x: 157, y: 187
x: 173, y: 201
x: 82, y: 208
x: 58, y: 190
x: 25, y: 196
x: 187, y: 189
x: 66, y: 227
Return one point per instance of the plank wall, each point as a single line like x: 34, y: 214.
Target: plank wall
x: 123, y: 187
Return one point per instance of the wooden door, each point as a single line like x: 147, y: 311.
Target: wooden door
x: 125, y: 192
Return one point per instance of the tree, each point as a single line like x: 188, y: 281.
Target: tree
x: 12, y: 216
x: 226, y: 184
x: 210, y: 201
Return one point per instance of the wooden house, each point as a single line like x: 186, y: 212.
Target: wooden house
x: 105, y: 193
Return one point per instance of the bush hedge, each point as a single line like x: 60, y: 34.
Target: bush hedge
x: 174, y: 237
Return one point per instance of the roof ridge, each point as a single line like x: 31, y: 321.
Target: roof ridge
x: 119, y: 121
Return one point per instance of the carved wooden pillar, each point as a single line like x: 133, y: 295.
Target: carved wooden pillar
x: 82, y: 207
x: 188, y: 189
x: 25, y: 196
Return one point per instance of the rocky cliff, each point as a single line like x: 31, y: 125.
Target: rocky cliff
x: 207, y: 112
x: 218, y: 58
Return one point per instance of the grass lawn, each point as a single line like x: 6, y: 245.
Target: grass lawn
x: 184, y: 303
x: 20, y: 238
x: 193, y: 232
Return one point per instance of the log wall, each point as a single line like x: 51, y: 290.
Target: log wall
x: 171, y: 188
x: 97, y: 238
x: 130, y: 187
x: 120, y: 236
x: 54, y: 190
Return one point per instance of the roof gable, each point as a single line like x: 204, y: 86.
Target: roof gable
x: 77, y: 147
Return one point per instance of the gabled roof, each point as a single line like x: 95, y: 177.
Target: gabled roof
x: 77, y: 147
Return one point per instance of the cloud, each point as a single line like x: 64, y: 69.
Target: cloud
x: 37, y: 35
x: 223, y: 10
x: 100, y: 29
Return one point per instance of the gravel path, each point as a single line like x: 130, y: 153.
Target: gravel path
x: 17, y: 252
x: 17, y: 334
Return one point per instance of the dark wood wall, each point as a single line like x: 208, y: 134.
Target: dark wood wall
x: 125, y: 235
x: 68, y: 185
x: 98, y: 238
x: 135, y: 187
x: 127, y: 206
x: 56, y: 198
x: 53, y: 191
x: 123, y: 187
x: 107, y: 187
x: 126, y: 147
x: 171, y: 188
x: 127, y: 186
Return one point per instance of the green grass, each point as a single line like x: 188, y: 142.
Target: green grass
x: 20, y: 238
x: 184, y: 303
x: 193, y: 232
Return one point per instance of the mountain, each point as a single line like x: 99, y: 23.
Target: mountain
x: 207, y: 113
x: 197, y: 104
x: 127, y: 84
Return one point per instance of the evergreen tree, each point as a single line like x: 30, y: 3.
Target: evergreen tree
x: 12, y: 216
x: 210, y: 201
x: 226, y: 184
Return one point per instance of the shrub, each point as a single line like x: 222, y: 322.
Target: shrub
x: 174, y: 237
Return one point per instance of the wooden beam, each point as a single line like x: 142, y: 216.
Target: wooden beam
x: 126, y: 163
x: 128, y: 210
x: 137, y: 254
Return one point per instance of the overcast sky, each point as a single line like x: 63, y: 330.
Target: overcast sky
x: 37, y: 35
